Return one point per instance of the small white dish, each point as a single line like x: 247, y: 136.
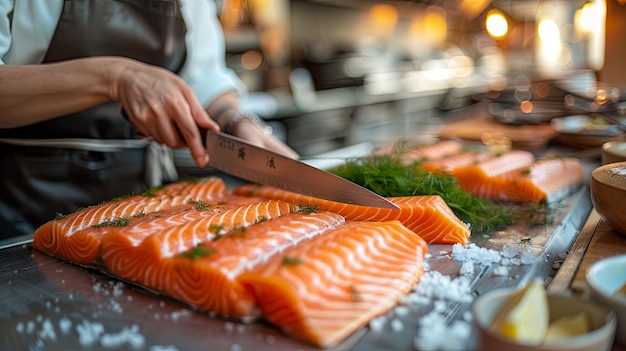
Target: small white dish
x: 602, y: 318
x: 603, y: 279
x: 613, y: 151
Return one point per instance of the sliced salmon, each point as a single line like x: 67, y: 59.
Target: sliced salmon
x: 432, y: 152
x: 139, y: 257
x: 50, y: 237
x: 546, y: 180
x: 206, y: 275
x: 83, y: 246
x: 428, y: 216
x: 489, y: 179
x: 517, y: 177
x: 450, y: 163
x: 326, y: 288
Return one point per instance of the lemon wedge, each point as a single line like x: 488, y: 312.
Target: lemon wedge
x: 569, y: 326
x: 524, y: 315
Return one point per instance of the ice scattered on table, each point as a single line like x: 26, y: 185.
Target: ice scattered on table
x: 163, y: 348
x: 127, y: 336
x: 508, y: 256
x: 65, y: 324
x: 501, y: 271
x: 435, y: 330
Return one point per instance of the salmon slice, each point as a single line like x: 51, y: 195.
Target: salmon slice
x: 450, y: 163
x: 432, y: 152
x: 547, y: 180
x: 489, y: 179
x: 326, y: 288
x: 206, y: 275
x: 428, y: 216
x: 83, y: 246
x: 138, y: 257
x: 50, y: 237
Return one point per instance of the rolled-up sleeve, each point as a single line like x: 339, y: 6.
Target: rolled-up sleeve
x: 26, y: 28
x: 6, y: 7
x: 205, y: 69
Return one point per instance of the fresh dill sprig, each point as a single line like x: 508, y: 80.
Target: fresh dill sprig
x: 291, y: 261
x: 198, y: 252
x: 116, y: 222
x: 305, y: 208
x: 260, y: 219
x: 200, y: 205
x: 388, y: 176
x: 152, y: 191
x: 356, y: 296
x: 217, y: 229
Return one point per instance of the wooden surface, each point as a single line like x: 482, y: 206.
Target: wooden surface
x: 605, y: 242
x: 529, y: 137
x: 597, y: 240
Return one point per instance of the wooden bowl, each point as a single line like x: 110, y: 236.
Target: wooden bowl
x: 608, y: 194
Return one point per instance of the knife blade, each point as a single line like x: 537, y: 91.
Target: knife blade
x: 233, y: 155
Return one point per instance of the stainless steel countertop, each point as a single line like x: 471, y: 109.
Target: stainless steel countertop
x: 36, y: 289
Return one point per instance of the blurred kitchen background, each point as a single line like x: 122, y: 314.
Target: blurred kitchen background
x: 330, y: 74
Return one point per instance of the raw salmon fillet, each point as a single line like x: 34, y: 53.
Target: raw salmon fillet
x: 52, y: 237
x: 139, y: 257
x: 206, y: 276
x: 326, y: 288
x: 547, y: 180
x: 517, y: 177
x: 489, y: 179
x: 428, y: 216
x: 450, y: 163
x: 432, y: 152
x: 83, y: 246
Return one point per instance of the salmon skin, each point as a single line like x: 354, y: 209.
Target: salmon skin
x: 206, y: 275
x: 326, y: 288
x: 52, y: 237
x: 428, y: 216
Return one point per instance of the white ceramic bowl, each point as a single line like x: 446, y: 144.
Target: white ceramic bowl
x: 613, y: 151
x: 603, y: 323
x: 603, y: 278
x: 608, y: 194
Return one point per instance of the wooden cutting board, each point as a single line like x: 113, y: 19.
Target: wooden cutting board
x: 523, y: 136
x: 606, y: 242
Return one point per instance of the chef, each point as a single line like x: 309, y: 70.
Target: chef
x: 95, y: 93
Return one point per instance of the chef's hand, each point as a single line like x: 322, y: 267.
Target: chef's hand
x: 161, y: 105
x: 249, y: 130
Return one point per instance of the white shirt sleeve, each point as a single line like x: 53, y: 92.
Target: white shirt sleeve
x: 27, y: 27
x: 205, y: 67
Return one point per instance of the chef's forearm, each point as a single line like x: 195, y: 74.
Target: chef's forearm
x: 34, y: 93
x: 223, y: 108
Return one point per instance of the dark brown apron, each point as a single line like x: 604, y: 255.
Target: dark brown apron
x: 39, y: 182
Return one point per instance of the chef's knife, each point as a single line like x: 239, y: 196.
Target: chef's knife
x: 237, y: 157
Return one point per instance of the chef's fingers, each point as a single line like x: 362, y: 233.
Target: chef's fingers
x: 251, y: 132
x: 187, y: 121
